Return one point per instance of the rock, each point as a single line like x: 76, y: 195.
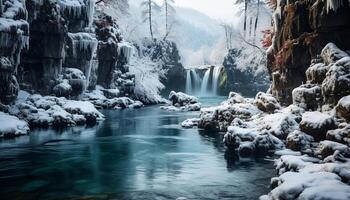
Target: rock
x: 279, y: 124
x: 316, y: 73
x: 317, y: 124
x: 341, y: 135
x: 266, y: 142
x: 190, y: 123
x: 11, y: 126
x: 301, y: 30
x: 327, y: 148
x: 298, y: 141
x: 343, y: 108
x: 181, y: 99
x: 232, y: 141
x: 307, y: 96
x: 337, y: 82
x: 331, y: 54
x: 246, y: 148
x: 247, y: 79
x: 266, y: 102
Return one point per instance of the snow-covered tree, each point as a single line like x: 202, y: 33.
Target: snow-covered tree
x: 149, y: 6
x: 121, y: 7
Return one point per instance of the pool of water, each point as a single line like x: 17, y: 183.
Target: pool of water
x: 133, y: 154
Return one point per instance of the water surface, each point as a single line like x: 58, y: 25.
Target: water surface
x: 133, y: 154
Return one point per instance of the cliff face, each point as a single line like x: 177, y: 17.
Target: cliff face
x: 65, y: 52
x: 166, y: 53
x: 301, y: 29
x: 248, y: 81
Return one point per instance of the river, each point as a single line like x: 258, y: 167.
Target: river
x: 133, y: 154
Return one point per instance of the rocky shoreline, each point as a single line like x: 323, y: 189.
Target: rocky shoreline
x: 311, y: 135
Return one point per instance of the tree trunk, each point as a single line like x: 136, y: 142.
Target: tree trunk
x: 150, y: 17
x: 245, y: 16
x: 256, y: 20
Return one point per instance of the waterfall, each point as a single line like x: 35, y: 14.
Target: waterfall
x: 205, y: 81
x: 215, y: 82
x: 188, y: 82
x: 203, y: 86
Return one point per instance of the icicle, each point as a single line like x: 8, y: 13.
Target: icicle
x: 125, y: 49
x: 83, y: 42
x: 333, y: 5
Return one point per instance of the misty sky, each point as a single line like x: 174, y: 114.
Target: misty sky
x: 217, y: 9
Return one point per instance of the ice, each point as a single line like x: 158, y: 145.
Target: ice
x: 78, y: 8
x: 125, y: 49
x: 83, y: 42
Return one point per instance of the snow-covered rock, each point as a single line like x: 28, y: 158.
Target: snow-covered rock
x: 331, y: 54
x: 45, y: 111
x: 266, y: 102
x: 189, y: 123
x: 337, y: 82
x: 317, y: 124
x: 327, y: 148
x: 316, y: 73
x: 341, y: 135
x: 307, y: 96
x: 298, y: 141
x: 279, y: 124
x: 343, y: 108
x: 181, y: 99
x: 318, y: 185
x: 11, y: 126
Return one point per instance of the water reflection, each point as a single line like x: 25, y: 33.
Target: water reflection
x: 142, y: 154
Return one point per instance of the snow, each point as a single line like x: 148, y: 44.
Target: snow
x: 280, y: 124
x: 45, y: 111
x: 13, y: 8
x: 266, y: 102
x: 327, y: 148
x: 298, y: 140
x: 331, y: 53
x: 316, y: 119
x: 12, y: 126
x: 181, y: 99
x: 319, y: 185
x: 307, y: 96
x: 287, y: 152
x: 341, y: 135
x: 189, y: 123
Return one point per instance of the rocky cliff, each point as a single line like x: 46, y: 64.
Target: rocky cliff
x: 61, y: 48
x: 248, y: 80
x: 166, y: 53
x: 301, y: 29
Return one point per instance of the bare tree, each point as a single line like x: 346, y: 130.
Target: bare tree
x: 169, y: 10
x: 149, y: 6
x: 229, y: 32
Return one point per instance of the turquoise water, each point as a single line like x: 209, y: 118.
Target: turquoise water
x: 133, y: 154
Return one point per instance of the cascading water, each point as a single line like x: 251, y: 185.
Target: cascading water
x: 204, y: 87
x: 188, y: 82
x: 215, y: 82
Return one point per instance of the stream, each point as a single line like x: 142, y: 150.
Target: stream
x: 133, y: 154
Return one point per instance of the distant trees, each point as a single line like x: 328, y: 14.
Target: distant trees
x: 149, y: 6
x: 229, y: 32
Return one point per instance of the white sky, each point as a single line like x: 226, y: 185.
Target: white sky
x: 217, y: 9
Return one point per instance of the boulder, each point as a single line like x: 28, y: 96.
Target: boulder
x: 341, y: 135
x: 343, y: 108
x: 266, y: 102
x: 307, y: 96
x: 317, y: 124
x: 337, y: 82
x: 298, y: 141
